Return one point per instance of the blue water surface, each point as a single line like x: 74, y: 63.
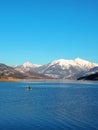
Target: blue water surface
x: 49, y: 106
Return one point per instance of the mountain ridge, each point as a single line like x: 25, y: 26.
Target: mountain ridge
x: 62, y: 68
x: 8, y: 73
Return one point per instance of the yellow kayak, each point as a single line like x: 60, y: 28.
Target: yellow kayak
x: 28, y: 88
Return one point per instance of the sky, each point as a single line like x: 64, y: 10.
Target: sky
x: 40, y: 31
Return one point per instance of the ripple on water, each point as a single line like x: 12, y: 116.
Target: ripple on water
x: 62, y: 106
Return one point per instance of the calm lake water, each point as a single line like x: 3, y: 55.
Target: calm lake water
x: 49, y: 106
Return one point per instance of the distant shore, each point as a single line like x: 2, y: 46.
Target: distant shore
x: 8, y: 79
x: 11, y: 79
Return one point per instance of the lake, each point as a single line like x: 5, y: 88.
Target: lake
x: 49, y: 106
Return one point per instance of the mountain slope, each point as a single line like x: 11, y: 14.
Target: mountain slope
x: 9, y: 71
x: 91, y: 71
x: 89, y: 77
x: 91, y: 74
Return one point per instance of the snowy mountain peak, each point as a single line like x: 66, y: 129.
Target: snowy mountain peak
x: 81, y: 60
x: 85, y: 63
x: 61, y: 62
x: 76, y: 62
x: 28, y: 64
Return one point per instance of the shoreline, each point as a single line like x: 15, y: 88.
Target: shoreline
x: 11, y: 79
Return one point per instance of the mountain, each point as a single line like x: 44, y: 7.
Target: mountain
x: 7, y: 72
x: 91, y: 74
x: 60, y: 69
x: 66, y: 69
x: 27, y: 66
x: 89, y: 77
x: 91, y: 71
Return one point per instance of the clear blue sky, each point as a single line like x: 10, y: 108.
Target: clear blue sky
x: 40, y: 31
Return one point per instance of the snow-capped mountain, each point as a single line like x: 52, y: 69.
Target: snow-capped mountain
x: 66, y: 68
x: 62, y: 69
x: 83, y: 64
x: 27, y: 66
